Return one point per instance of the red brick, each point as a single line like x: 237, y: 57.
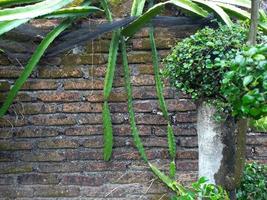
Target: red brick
x: 35, y: 132
x: 88, y: 59
x: 40, y: 85
x: 59, y: 96
x: 7, y: 145
x: 4, y: 86
x: 91, y: 154
x: 82, y: 107
x: 83, y: 84
x: 56, y: 191
x: 90, y: 180
x: 8, y: 192
x: 12, y: 168
x: 42, y: 156
x: 10, y: 72
x: 186, y: 117
x: 41, y: 179
x: 58, y: 144
x: 60, y: 72
x: 162, y: 43
x: 56, y: 119
x: 84, y: 130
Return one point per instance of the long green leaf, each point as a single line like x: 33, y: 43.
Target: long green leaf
x: 72, y: 12
x: 32, y: 64
x: 113, y: 52
x: 137, y: 140
x: 5, y: 3
x: 218, y: 10
x: 156, y: 9
x: 137, y: 7
x: 171, y: 141
x: 241, y: 3
x: 159, y: 86
x: 235, y: 11
x: 108, y: 135
x: 6, y: 26
x: 32, y: 11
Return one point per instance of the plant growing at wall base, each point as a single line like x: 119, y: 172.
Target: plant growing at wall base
x: 254, y: 182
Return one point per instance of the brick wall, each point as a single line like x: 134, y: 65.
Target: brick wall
x: 51, y: 139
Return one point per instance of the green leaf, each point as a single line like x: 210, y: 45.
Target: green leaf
x: 107, y: 129
x: 247, y: 80
x: 248, y: 99
x: 159, y: 85
x: 235, y: 11
x: 32, y: 11
x: 137, y: 140
x: 72, y: 12
x: 137, y: 7
x: 241, y: 3
x: 105, y: 6
x: 112, y: 58
x: 218, y: 10
x: 172, y: 169
x: 6, y: 26
x: 32, y: 64
x: 171, y: 142
x: 5, y: 3
x: 165, y: 179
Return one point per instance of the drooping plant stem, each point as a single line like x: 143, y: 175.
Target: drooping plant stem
x: 161, y: 101
x: 112, y: 59
x: 127, y: 80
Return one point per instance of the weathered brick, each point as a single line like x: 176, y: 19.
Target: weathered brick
x: 84, y: 130
x: 56, y: 119
x: 6, y: 180
x: 82, y: 107
x: 66, y: 72
x: 257, y: 140
x: 7, y: 145
x: 161, y: 42
x: 84, y: 84
x: 58, y: 144
x: 59, y: 96
x: 10, y: 72
x: 42, y: 156
x: 99, y: 166
x: 4, y: 86
x: 86, y: 59
x: 35, y: 108
x: 56, y: 191
x: 42, y: 179
x: 91, y: 154
x: 117, y: 95
x: 94, y: 142
x: 187, y: 165
x: 186, y: 117
x: 188, y: 141
x: 60, y: 167
x: 144, y: 118
x: 90, y: 180
x: 40, y: 85
x: 7, y: 156
x: 35, y: 132
x: 8, y: 192
x: 15, y: 168
x: 99, y: 46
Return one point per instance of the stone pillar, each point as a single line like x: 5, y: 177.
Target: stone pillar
x: 216, y: 143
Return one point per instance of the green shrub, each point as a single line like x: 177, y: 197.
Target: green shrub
x: 200, y: 65
x: 196, y: 65
x: 254, y: 183
x: 245, y: 84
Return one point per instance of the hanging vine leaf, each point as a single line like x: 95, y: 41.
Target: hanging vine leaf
x: 108, y: 136
x: 137, y: 140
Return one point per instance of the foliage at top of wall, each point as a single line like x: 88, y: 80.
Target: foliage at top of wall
x: 197, y: 64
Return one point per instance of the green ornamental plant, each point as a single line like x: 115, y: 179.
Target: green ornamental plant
x: 198, y: 64
x: 245, y: 83
x: 254, y: 182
